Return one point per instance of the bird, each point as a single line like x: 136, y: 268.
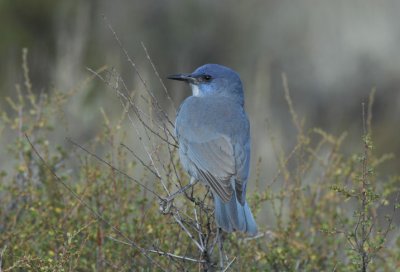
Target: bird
x: 213, y: 133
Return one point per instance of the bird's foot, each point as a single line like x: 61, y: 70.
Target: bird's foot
x: 166, y: 205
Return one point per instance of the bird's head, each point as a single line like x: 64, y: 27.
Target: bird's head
x: 213, y: 80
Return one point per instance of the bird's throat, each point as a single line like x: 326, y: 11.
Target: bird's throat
x: 195, y: 90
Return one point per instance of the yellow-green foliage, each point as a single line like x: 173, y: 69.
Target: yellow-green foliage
x: 72, y: 212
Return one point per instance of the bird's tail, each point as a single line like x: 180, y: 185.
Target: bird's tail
x: 232, y: 216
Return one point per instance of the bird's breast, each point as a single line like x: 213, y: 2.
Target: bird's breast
x: 201, y: 118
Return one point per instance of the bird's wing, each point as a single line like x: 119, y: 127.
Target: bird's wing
x: 242, y: 166
x: 214, y: 161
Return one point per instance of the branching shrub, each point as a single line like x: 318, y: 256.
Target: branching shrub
x: 108, y: 205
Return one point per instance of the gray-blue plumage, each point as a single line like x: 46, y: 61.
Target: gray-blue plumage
x: 213, y: 132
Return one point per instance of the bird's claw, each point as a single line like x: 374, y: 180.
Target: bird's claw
x: 165, y: 205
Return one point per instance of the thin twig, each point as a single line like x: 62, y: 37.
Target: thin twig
x: 176, y: 256
x: 181, y: 190
x: 161, y: 252
x: 159, y: 109
x: 138, y: 112
x: 178, y: 220
x: 158, y: 75
x: 1, y: 257
x: 141, y: 161
x: 229, y: 264
x: 114, y: 168
x: 293, y: 113
x: 148, y: 152
x: 199, y: 228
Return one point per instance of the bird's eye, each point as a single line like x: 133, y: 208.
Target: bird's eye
x: 207, y: 77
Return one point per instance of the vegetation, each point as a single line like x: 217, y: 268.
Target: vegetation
x: 105, y: 206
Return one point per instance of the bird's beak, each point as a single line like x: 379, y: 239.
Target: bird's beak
x: 182, y: 77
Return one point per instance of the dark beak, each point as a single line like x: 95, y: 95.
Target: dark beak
x: 182, y: 77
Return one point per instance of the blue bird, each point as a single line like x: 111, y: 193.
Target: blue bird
x: 213, y: 132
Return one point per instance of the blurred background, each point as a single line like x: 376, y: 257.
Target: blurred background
x: 333, y: 53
